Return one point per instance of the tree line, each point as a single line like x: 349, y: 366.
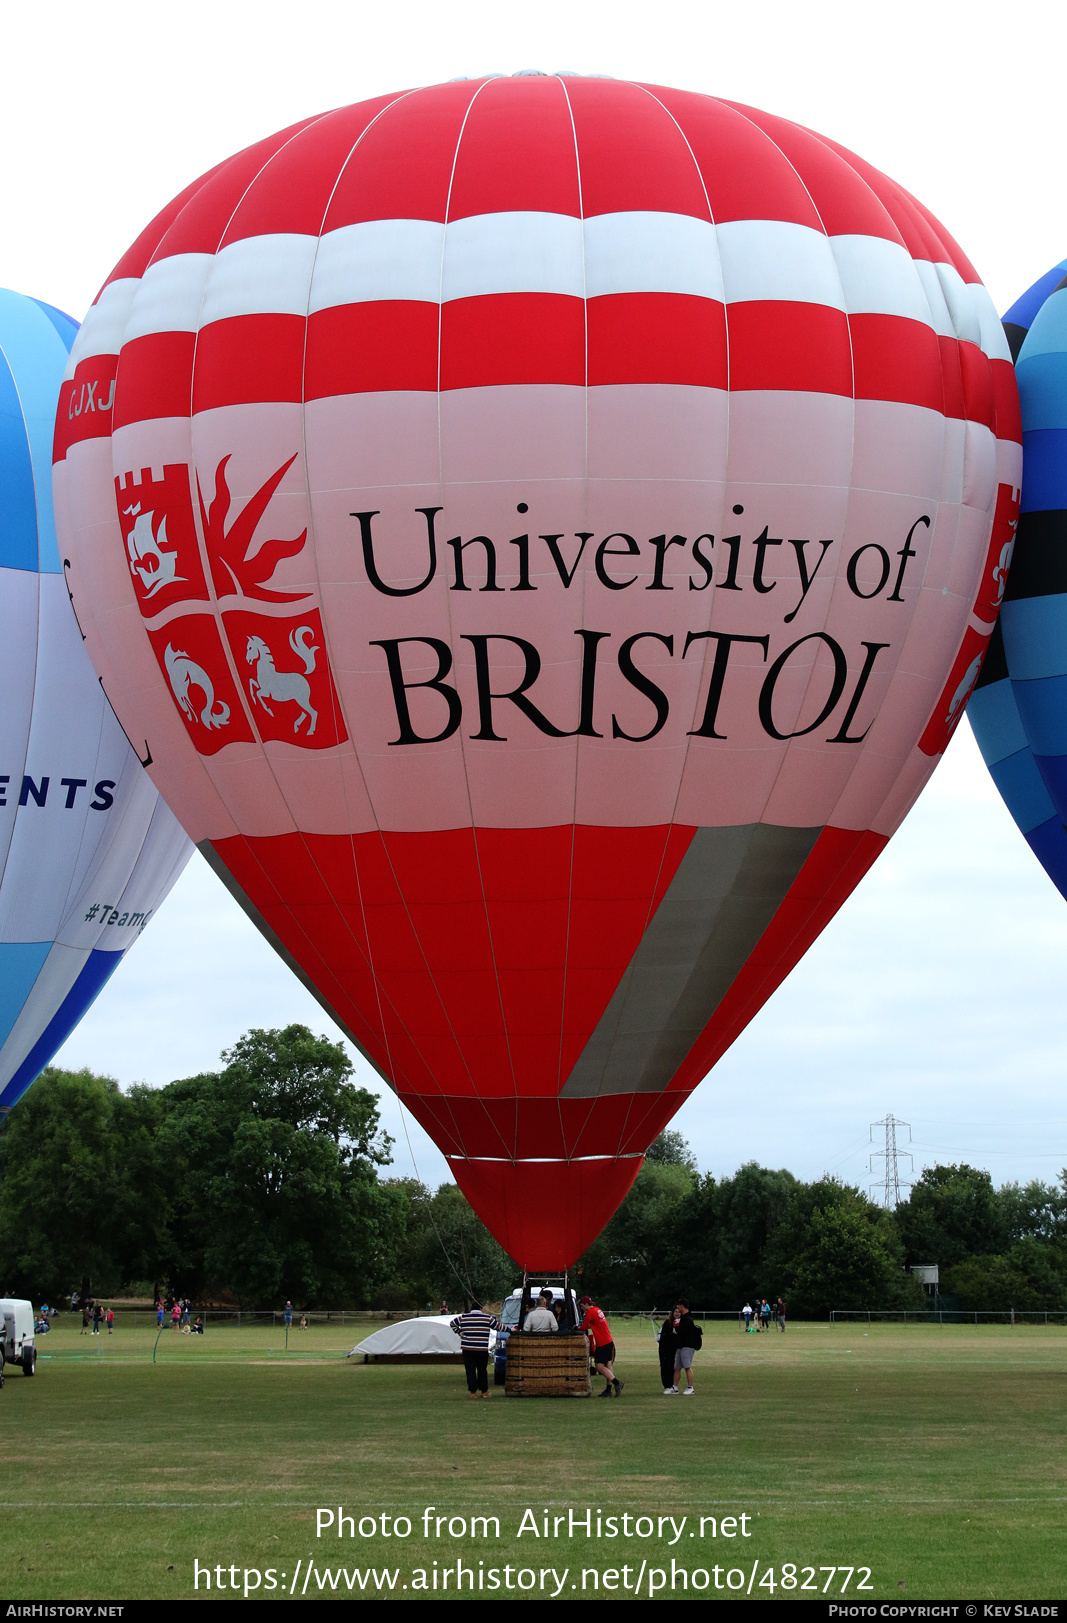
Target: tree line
x: 266, y: 1180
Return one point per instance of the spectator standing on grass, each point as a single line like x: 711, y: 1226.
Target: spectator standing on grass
x: 98, y: 1314
x: 176, y: 1315
x: 85, y: 1319
x: 781, y: 1315
x: 747, y: 1314
x: 288, y: 1315
x: 473, y: 1329
x: 665, y: 1337
x: 765, y: 1313
x: 110, y: 1317
x: 159, y: 1313
x: 688, y: 1339
x: 596, y: 1327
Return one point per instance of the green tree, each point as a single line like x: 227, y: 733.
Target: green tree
x: 725, y: 1231
x: 631, y: 1263
x: 1034, y: 1210
x: 460, y: 1256
x: 953, y: 1213
x: 671, y: 1149
x: 278, y: 1193
x: 1029, y: 1275
x: 835, y: 1249
x: 62, y: 1179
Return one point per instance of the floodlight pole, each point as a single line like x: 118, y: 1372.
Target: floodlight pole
x: 891, y: 1184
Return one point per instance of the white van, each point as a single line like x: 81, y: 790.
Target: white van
x: 509, y: 1321
x: 18, y: 1343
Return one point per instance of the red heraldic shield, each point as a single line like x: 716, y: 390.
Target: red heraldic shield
x: 968, y: 662
x: 288, y: 677
x: 998, y: 558
x: 192, y: 657
x: 156, y: 517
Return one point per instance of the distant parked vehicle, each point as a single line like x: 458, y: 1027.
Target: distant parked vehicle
x: 18, y: 1334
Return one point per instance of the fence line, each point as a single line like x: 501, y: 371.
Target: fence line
x: 242, y: 1318
x: 949, y: 1316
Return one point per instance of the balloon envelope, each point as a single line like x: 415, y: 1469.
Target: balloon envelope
x: 1018, y: 708
x: 87, y: 848
x: 542, y: 528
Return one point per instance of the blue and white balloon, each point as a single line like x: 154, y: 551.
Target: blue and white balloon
x: 1018, y: 710
x: 87, y: 848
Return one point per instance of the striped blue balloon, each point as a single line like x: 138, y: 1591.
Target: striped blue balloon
x: 1018, y: 710
x: 87, y: 848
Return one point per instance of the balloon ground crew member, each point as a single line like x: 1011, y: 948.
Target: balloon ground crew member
x: 473, y: 1329
x: 598, y: 1330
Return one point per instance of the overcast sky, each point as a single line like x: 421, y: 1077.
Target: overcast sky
x: 937, y: 992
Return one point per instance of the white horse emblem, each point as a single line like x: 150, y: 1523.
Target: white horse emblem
x: 963, y: 692
x: 1000, y: 569
x: 281, y: 686
x: 184, y: 673
x: 154, y: 567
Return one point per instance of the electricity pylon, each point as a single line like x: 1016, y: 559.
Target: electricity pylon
x: 891, y: 1184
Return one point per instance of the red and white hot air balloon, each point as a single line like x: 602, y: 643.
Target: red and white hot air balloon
x: 539, y: 527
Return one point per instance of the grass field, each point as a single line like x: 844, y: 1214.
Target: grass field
x: 933, y: 1456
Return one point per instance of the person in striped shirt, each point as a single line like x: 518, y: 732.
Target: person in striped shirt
x: 473, y: 1329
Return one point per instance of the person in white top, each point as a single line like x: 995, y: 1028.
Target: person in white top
x: 541, y: 1319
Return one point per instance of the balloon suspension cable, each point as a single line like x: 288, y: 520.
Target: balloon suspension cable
x: 465, y: 1285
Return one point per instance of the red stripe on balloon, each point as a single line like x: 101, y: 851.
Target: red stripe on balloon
x: 371, y: 348
x: 521, y: 338
x: 155, y: 376
x: 512, y: 338
x: 247, y: 358
x: 657, y: 338
x: 775, y: 344
x: 1006, y: 401
x: 978, y: 400
x: 897, y: 359
x: 952, y: 377
x: 80, y: 414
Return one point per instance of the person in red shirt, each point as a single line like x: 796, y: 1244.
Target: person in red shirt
x: 602, y: 1347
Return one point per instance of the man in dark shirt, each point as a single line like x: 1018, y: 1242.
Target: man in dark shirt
x: 473, y: 1329
x: 688, y: 1340
x: 665, y: 1338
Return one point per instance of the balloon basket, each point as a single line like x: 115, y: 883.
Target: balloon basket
x: 547, y: 1366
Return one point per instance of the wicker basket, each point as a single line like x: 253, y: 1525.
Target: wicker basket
x: 547, y: 1366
